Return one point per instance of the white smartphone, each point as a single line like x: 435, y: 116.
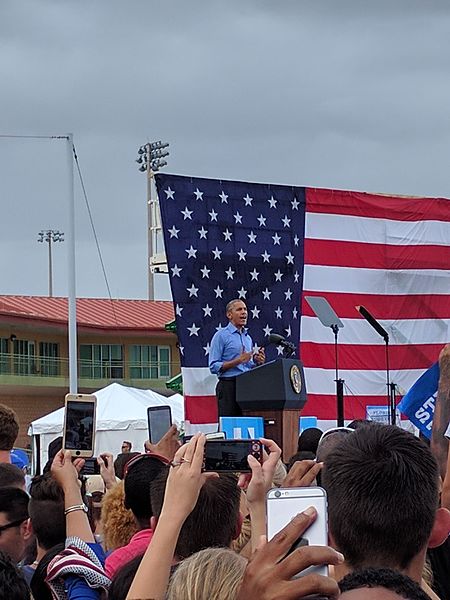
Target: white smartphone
x: 79, y: 424
x: 283, y: 504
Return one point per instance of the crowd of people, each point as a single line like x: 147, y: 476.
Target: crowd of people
x: 154, y: 525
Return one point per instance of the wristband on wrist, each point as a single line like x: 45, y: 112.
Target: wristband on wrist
x: 70, y: 509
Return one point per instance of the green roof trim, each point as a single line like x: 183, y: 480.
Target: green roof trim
x: 171, y: 326
x: 175, y: 383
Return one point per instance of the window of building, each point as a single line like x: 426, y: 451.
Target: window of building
x: 4, y: 356
x: 49, y: 358
x: 101, y: 361
x: 24, y: 358
x: 149, y: 362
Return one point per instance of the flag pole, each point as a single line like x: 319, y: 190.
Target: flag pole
x: 73, y: 374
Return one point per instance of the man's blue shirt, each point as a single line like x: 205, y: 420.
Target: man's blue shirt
x: 227, y: 344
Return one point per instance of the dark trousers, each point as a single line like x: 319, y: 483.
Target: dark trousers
x: 226, y: 398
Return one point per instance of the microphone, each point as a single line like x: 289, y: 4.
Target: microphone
x: 370, y: 319
x: 279, y: 340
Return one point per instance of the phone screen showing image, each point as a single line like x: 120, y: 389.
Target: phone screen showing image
x: 80, y: 424
x: 159, y: 422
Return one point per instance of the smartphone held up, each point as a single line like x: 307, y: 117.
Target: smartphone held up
x: 79, y: 424
x: 159, y: 422
x: 231, y: 456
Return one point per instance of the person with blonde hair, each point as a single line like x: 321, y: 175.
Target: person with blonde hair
x: 211, y: 573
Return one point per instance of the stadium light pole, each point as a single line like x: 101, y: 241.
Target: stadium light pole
x: 151, y: 160
x: 49, y: 236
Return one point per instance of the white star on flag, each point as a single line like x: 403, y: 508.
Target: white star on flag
x: 286, y: 221
x: 218, y: 291
x: 288, y: 331
x: 251, y: 238
x: 255, y: 312
x: 193, y: 329
x: 203, y: 233
x: 288, y: 294
x: 266, y: 294
x: 278, y: 275
x: 181, y: 349
x: 229, y: 273
x: 265, y: 256
x: 186, y: 213
x: 278, y: 312
x: 294, y: 313
x: 267, y: 330
x: 176, y: 270
x: 223, y: 198
x: 227, y: 235
x: 290, y: 258
x: 248, y: 200
x: 217, y: 253
x: 174, y: 232
x: 206, y: 349
x: 242, y: 254
x: 198, y: 194
x: 205, y: 272
x: 213, y: 215
x: 262, y: 221
x: 295, y: 204
x: 296, y: 276
x: 238, y: 218
x: 178, y: 310
x: 296, y: 240
x: 206, y: 310
x: 169, y: 193
x: 276, y: 239
x: 280, y: 350
x: 254, y: 274
x: 192, y: 291
x: 242, y: 293
x: 272, y: 202
x: 191, y: 252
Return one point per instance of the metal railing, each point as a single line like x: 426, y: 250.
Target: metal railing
x: 38, y: 366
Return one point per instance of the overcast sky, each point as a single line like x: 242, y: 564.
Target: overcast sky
x: 329, y: 93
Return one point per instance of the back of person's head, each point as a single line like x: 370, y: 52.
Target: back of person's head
x: 39, y: 588
x: 9, y: 427
x: 12, y: 582
x: 122, y: 580
x: 139, y: 476
x: 382, y: 487
x: 211, y: 573
x: 46, y: 508
x: 329, y: 440
x: 215, y: 520
x: 11, y: 476
x: 118, y: 523
x: 309, y: 439
x: 121, y: 462
x: 14, y: 503
x: 357, y: 423
x: 387, y: 579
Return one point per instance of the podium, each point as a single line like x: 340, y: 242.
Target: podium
x: 275, y: 391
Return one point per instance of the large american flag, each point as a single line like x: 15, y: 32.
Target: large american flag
x: 273, y: 245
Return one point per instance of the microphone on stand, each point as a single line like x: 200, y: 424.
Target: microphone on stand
x: 279, y: 340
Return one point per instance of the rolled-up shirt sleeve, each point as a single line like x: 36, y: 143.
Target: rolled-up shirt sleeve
x: 215, y: 354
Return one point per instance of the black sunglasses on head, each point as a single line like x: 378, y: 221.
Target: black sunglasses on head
x: 11, y: 525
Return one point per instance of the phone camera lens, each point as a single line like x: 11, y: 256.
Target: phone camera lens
x: 78, y: 453
x: 277, y: 494
x: 255, y: 447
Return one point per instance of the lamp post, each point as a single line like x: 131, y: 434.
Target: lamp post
x: 50, y: 236
x: 151, y: 159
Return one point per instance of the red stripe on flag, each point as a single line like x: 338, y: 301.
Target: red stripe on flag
x: 376, y: 256
x: 384, y: 306
x: 360, y: 204
x: 323, y: 406
x: 200, y: 409
x: 364, y: 356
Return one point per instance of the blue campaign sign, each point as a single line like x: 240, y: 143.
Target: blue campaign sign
x: 242, y: 427
x: 419, y: 403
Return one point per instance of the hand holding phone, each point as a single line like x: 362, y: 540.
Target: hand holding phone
x: 230, y: 456
x: 79, y: 424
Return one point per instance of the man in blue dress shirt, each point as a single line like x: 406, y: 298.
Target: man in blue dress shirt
x: 231, y: 354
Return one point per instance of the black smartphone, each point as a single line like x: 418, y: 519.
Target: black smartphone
x: 91, y: 467
x: 159, y: 422
x: 230, y: 456
x: 79, y: 424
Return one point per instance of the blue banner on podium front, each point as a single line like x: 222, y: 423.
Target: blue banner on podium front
x: 246, y: 428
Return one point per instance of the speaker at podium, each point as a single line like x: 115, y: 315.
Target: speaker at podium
x: 275, y: 391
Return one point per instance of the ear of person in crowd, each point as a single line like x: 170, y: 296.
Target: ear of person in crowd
x: 9, y: 430
x: 383, y: 481
x: 14, y: 531
x: 270, y: 571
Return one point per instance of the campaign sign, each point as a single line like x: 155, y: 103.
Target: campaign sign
x: 419, y: 402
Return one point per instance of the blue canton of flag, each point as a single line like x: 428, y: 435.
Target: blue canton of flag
x: 226, y: 240
x: 419, y: 402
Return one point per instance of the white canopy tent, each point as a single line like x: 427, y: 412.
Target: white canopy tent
x: 121, y: 415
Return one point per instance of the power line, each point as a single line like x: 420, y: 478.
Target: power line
x: 34, y: 137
